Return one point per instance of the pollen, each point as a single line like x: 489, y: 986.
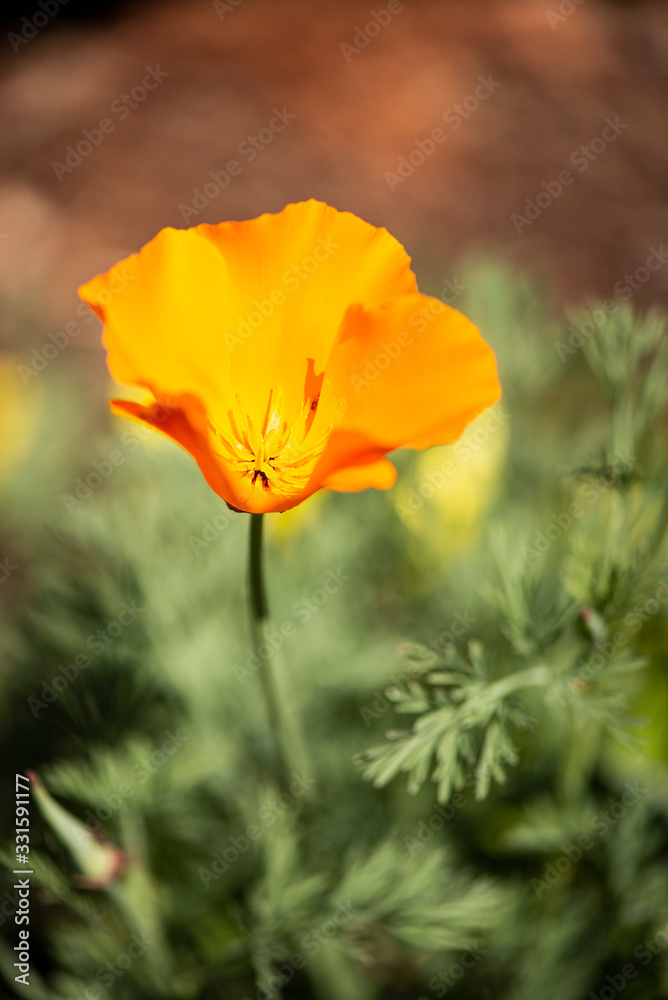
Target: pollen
x: 278, y: 454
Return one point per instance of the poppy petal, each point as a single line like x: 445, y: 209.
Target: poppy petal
x: 293, y: 277
x: 174, y: 423
x: 289, y: 353
x: 237, y: 491
x: 380, y: 475
x: 161, y: 310
x: 406, y: 375
x: 232, y: 310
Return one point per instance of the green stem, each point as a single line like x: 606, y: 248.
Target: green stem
x: 333, y: 974
x: 293, y: 759
x: 580, y: 759
x: 258, y: 595
x: 531, y: 677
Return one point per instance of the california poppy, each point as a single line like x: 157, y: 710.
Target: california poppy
x: 289, y: 353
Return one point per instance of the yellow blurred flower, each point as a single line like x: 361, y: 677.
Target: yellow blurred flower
x: 450, y: 489
x: 292, y: 522
x: 20, y: 408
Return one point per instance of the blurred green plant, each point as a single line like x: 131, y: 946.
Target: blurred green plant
x: 525, y: 856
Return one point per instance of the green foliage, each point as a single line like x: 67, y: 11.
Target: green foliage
x: 421, y: 900
x: 484, y: 723
x: 455, y: 701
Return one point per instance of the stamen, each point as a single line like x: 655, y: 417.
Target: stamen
x: 280, y: 454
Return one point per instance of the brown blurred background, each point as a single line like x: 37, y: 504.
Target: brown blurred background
x: 560, y: 69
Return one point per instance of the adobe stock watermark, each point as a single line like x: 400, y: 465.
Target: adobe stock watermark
x: 311, y: 943
x: 454, y: 117
x: 121, y: 107
x: 623, y: 290
x: 267, y: 815
x: 302, y: 610
x: 97, y: 642
x: 292, y: 280
x: 472, y: 440
x: 223, y: 7
x: 563, y: 11
x: 107, y: 974
x: 6, y: 569
x: 419, y: 320
x: 364, y: 34
x: 248, y: 150
x: 56, y: 342
x: 645, y: 953
x: 581, y: 158
x: 102, y: 470
x: 606, y: 649
x: 31, y: 26
x: 443, y: 981
x: 563, y: 521
x: 601, y: 823
x: 381, y: 703
x: 451, y: 290
x: 426, y: 829
x: 211, y: 530
x: 139, y: 774
x: 459, y: 625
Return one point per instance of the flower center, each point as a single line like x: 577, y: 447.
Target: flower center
x: 274, y: 455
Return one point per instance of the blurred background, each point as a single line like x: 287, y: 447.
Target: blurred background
x: 518, y: 149
x: 357, y: 111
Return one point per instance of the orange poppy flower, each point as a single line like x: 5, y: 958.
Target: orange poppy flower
x: 289, y: 353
